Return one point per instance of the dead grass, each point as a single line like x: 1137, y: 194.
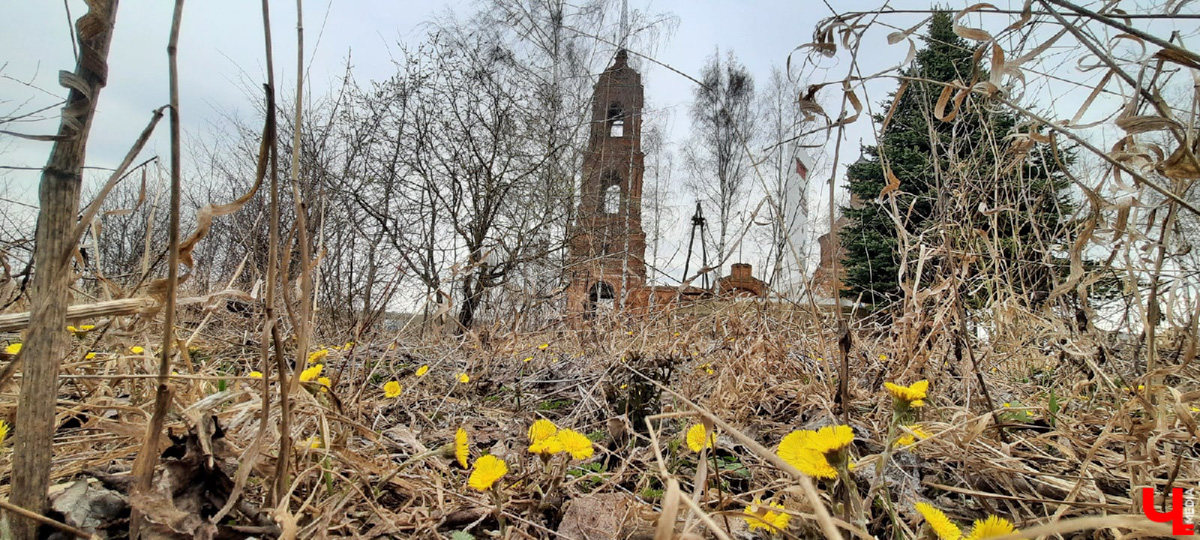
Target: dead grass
x: 1074, y: 437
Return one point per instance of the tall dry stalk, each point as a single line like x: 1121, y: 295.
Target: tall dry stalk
x: 269, y: 331
x: 143, y: 466
x: 46, y: 343
x: 306, y: 287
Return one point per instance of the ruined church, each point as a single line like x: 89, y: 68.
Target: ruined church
x: 606, y: 262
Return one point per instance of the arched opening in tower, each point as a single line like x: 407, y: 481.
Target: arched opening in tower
x: 600, y: 298
x: 616, y: 121
x: 612, y: 199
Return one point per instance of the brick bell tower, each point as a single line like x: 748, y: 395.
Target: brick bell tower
x: 607, y: 247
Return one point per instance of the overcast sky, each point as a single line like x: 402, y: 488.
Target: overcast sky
x: 221, y: 56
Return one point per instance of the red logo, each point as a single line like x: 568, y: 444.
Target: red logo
x: 1182, y: 513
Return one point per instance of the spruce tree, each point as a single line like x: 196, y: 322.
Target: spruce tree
x: 946, y: 169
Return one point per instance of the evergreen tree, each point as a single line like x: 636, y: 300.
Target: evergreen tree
x: 946, y: 169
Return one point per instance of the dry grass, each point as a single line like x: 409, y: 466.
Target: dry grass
x: 1071, y: 441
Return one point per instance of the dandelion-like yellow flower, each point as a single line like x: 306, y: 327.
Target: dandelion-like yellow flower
x: 317, y: 356
x: 761, y: 516
x: 314, y: 442
x: 817, y: 453
x: 548, y: 446
x: 914, y: 392
x: 698, y: 438
x: 991, y: 527
x: 89, y: 356
x: 3, y: 431
x: 541, y: 430
x: 325, y: 383
x: 488, y: 469
x: 528, y: 359
x: 392, y: 389
x: 82, y: 330
x: 462, y: 450
x: 421, y: 371
x: 137, y: 349
x: 917, y: 433
x: 939, y: 523
x: 311, y: 373
x: 13, y: 348
x: 543, y: 346
x: 255, y: 375
x: 464, y: 378
x: 832, y: 439
x: 575, y: 443
x: 883, y: 357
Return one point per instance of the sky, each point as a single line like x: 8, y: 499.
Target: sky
x: 221, y: 63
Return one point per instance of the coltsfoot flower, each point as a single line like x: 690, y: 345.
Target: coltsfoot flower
x: 488, y: 469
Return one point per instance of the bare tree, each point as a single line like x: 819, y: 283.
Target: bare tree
x: 786, y: 184
x: 722, y: 124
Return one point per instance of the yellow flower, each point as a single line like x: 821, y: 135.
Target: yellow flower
x: 3, y: 431
x: 89, y: 356
x: 325, y: 383
x: 87, y: 327
x: 488, y: 469
x: 939, y: 523
x: 629, y: 333
x: 255, y: 375
x: 461, y: 449
x: 314, y: 442
x: 548, y: 446
x: 348, y: 345
x: 13, y: 349
x: 794, y: 449
x: 832, y: 439
x: 577, y: 444
x: 311, y: 374
x: 391, y: 389
x: 541, y: 430
x: 1007, y: 404
x: 464, y: 378
x: 528, y: 359
x: 543, y: 346
x: 676, y: 334
x: 990, y: 528
x: 698, y: 438
x: 909, y: 438
x: 421, y: 371
x: 883, y: 357
x: 317, y: 356
x: 624, y: 386
x: 137, y: 349
x: 817, y: 453
x: 914, y: 392
x: 765, y: 518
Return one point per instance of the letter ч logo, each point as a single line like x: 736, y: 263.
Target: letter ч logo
x: 1179, y: 508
